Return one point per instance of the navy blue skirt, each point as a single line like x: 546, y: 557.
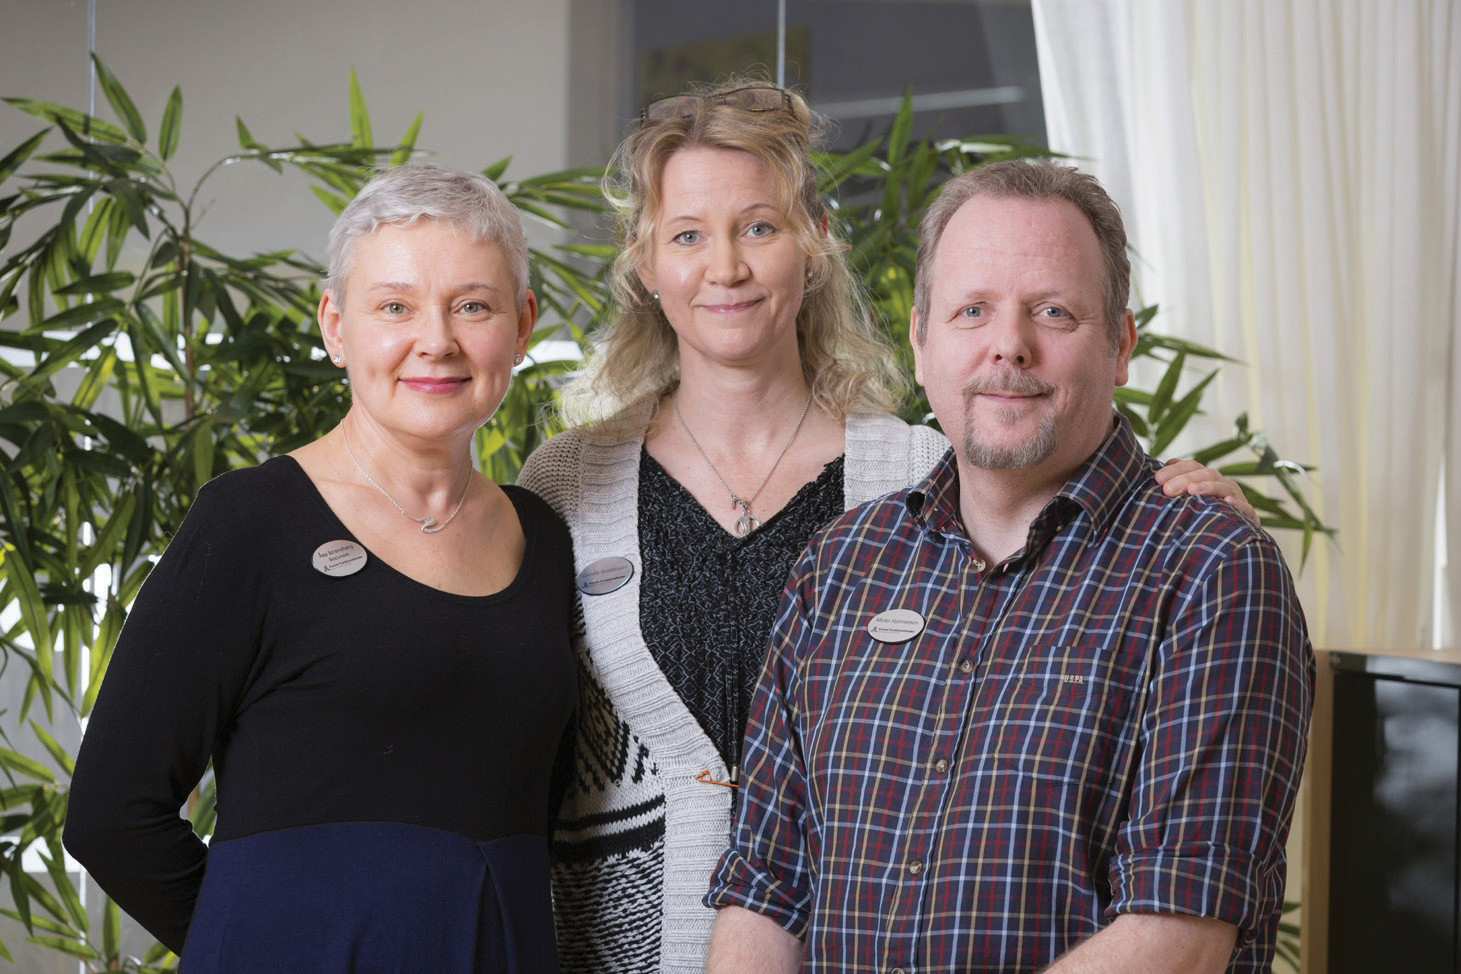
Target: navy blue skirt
x: 373, y: 897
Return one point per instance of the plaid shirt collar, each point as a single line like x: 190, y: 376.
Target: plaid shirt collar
x: 1098, y: 490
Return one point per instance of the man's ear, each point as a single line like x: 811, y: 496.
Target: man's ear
x: 1125, y: 345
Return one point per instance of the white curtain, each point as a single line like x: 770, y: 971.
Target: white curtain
x: 1290, y: 171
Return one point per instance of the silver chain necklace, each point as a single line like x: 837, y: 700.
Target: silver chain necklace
x: 747, y: 522
x: 429, y: 525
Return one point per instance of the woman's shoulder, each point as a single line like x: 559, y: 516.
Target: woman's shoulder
x: 555, y: 470
x: 885, y: 435
x: 885, y: 454
x: 252, y: 494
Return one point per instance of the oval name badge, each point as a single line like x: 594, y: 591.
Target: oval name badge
x: 605, y: 575
x: 339, y: 558
x: 895, y: 625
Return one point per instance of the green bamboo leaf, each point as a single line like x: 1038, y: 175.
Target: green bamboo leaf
x: 403, y: 152
x: 131, y: 204
x: 902, y: 126
x: 172, y: 120
x: 66, y: 946
x: 76, y: 622
x: 113, y: 160
x: 101, y: 651
x: 19, y: 894
x: 1162, y: 397
x: 94, y: 230
x: 246, y: 138
x: 336, y: 203
x: 1177, y: 418
x: 494, y: 172
x: 360, y: 136
x: 122, y: 440
x: 203, y: 450
x: 65, y: 354
x: 99, y: 283
x: 111, y: 928
x: 36, y: 291
x: 19, y: 154
x: 32, y: 609
x: 82, y: 124
x: 117, y: 227
x: 1219, y: 450
x: 835, y: 168
x: 1145, y: 315
x: 120, y: 101
x: 29, y: 767
x: 61, y: 883
x: 98, y: 375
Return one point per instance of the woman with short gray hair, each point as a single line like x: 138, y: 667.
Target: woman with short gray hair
x: 368, y: 639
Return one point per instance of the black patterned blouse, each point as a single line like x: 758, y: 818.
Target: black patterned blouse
x: 708, y: 599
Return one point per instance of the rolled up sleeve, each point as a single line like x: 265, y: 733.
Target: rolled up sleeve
x: 1222, y: 748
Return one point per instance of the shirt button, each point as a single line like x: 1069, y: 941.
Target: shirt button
x: 979, y: 565
x: 916, y: 867
x: 897, y: 970
x: 941, y: 766
x: 966, y: 666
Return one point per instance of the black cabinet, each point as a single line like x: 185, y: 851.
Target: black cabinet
x: 1394, y: 827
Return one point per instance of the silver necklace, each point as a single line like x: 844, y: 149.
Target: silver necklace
x: 747, y: 522
x: 429, y: 525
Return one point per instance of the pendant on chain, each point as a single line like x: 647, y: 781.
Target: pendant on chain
x: 747, y: 522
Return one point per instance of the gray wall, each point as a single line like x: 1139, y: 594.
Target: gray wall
x: 494, y: 78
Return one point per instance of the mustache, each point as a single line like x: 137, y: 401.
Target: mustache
x: 1006, y: 382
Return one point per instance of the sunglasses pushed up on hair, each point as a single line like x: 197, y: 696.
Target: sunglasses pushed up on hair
x: 752, y: 98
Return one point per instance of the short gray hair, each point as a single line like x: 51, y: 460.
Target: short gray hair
x: 422, y: 190
x: 1031, y: 179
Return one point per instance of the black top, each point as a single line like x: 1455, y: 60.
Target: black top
x: 708, y: 599
x: 320, y: 699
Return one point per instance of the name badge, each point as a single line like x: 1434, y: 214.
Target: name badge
x: 605, y: 575
x: 339, y: 558
x: 895, y: 625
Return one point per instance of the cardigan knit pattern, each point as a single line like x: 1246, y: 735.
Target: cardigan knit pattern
x: 638, y: 836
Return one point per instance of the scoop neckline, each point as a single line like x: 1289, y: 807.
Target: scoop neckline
x: 506, y: 592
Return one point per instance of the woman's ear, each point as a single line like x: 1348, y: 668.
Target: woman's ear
x: 328, y: 316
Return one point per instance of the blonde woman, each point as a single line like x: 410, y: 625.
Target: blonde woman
x: 739, y: 399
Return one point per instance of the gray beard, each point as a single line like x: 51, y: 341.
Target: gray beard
x: 1034, y: 451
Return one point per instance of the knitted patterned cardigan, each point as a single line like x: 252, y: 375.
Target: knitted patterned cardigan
x: 637, y: 835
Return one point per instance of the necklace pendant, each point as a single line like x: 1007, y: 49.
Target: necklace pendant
x: 746, y: 523
x: 429, y: 525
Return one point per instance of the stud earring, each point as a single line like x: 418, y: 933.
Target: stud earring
x: 654, y: 295
x: 337, y: 359
x: 517, y: 359
x: 810, y: 275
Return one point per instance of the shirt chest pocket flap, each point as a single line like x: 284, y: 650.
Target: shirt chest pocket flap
x: 1061, y: 711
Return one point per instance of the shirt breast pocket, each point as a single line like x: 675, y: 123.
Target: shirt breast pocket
x: 1064, y: 712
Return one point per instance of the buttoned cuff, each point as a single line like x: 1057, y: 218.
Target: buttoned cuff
x: 737, y: 882
x: 1212, y: 881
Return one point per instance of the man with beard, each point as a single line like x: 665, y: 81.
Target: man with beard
x: 1029, y: 714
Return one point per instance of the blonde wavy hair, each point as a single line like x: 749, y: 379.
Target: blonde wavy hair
x: 634, y: 360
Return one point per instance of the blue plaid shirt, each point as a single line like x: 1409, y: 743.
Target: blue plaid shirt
x: 1113, y: 720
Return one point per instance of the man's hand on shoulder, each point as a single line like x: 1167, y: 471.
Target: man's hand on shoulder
x: 1178, y: 477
